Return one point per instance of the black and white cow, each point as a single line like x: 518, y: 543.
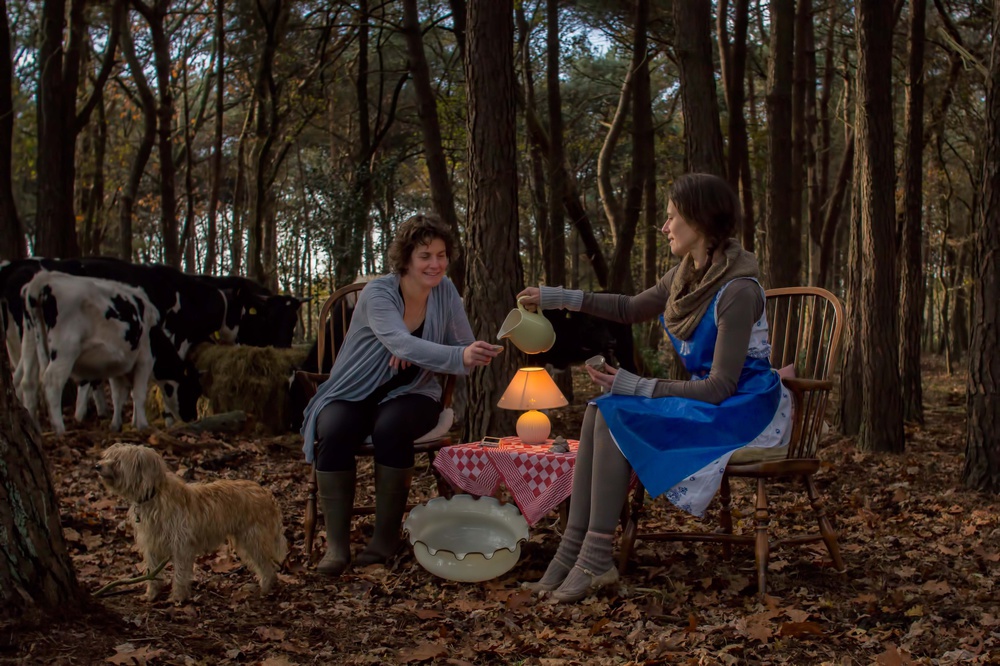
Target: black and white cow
x: 267, y: 319
x: 190, y: 311
x: 90, y: 329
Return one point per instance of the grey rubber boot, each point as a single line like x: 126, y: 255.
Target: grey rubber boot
x: 392, y: 487
x: 336, y: 499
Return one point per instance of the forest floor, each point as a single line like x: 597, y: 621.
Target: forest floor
x: 922, y: 587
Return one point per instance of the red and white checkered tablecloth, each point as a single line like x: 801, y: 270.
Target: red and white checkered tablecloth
x: 537, y: 480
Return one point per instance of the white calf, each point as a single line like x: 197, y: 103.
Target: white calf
x: 86, y: 329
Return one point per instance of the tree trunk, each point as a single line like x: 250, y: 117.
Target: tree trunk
x: 494, y: 265
x: 882, y: 410
x: 693, y: 45
x: 92, y: 234
x: 437, y: 164
x: 35, y: 568
x: 11, y: 231
x: 145, y: 148
x: 982, y: 444
x: 156, y: 16
x: 643, y: 139
x: 911, y: 278
x: 733, y: 58
x: 782, y: 247
x: 850, y: 375
x: 536, y: 156
x: 215, y: 165
x: 554, y: 243
x: 57, y: 85
x: 577, y: 212
x: 188, y: 244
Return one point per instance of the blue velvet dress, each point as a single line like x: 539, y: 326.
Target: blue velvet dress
x: 681, y: 446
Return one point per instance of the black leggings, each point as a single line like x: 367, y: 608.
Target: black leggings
x: 342, y: 426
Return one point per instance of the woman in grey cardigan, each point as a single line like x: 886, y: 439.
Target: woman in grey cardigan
x: 406, y: 327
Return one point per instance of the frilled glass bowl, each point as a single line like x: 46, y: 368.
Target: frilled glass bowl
x: 466, y: 539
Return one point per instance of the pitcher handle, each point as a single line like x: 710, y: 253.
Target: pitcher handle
x: 521, y: 307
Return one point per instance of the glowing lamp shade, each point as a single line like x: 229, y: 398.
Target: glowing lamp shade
x: 532, y: 389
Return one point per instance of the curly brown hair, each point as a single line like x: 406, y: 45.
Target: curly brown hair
x: 419, y: 229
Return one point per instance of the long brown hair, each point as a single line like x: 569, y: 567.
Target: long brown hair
x: 709, y: 204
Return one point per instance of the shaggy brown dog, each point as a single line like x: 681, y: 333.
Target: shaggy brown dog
x: 180, y: 521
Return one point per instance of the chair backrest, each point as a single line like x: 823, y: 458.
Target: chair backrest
x: 806, y: 325
x: 335, y: 319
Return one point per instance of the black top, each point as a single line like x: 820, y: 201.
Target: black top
x: 402, y: 378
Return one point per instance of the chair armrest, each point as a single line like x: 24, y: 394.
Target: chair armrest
x: 803, y: 384
x: 800, y: 385
x: 809, y: 397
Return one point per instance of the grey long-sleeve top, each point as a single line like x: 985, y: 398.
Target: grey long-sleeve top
x: 739, y: 308
x: 377, y: 333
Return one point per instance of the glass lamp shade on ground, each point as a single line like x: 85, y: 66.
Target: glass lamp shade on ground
x: 532, y: 389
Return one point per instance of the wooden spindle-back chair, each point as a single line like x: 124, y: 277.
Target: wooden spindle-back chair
x: 806, y: 325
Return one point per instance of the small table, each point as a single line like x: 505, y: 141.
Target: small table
x: 537, y: 479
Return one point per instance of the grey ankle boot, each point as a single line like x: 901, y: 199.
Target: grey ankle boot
x: 392, y: 487
x: 336, y: 499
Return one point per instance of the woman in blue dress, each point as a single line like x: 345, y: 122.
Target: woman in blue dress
x: 677, y: 435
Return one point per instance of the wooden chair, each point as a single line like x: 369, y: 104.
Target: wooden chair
x: 806, y: 324
x: 335, y: 318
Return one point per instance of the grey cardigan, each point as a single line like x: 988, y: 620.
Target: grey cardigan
x: 377, y: 333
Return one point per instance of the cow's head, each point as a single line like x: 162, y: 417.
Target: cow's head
x: 269, y: 321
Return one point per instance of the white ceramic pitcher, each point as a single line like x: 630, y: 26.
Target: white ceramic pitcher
x: 530, y: 331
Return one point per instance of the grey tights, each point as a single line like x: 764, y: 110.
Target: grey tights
x: 597, y: 499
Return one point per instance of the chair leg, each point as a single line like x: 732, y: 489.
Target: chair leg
x: 726, y: 515
x: 630, y: 526
x: 761, y: 521
x: 825, y: 528
x: 310, y: 521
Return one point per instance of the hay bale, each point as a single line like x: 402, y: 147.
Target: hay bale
x: 250, y: 379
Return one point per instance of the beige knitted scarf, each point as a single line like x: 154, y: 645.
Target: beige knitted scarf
x: 692, y: 290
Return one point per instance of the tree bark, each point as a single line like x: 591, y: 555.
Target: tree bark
x: 693, y: 45
x: 851, y: 393
x: 147, y: 101
x: 782, y: 246
x: 643, y: 139
x: 35, y: 568
x: 156, y: 16
x: 494, y: 266
x: 733, y: 57
x: 59, y: 71
x: 982, y: 444
x: 554, y: 243
x: 911, y: 278
x: 263, y: 230
x: 215, y: 165
x: 11, y: 230
x: 92, y: 234
x: 442, y: 195
x: 536, y: 156
x: 882, y: 411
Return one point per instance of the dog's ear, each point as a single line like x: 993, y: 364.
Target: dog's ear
x: 152, y: 468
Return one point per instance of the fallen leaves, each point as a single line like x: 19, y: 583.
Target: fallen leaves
x: 126, y: 653
x: 922, y: 585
